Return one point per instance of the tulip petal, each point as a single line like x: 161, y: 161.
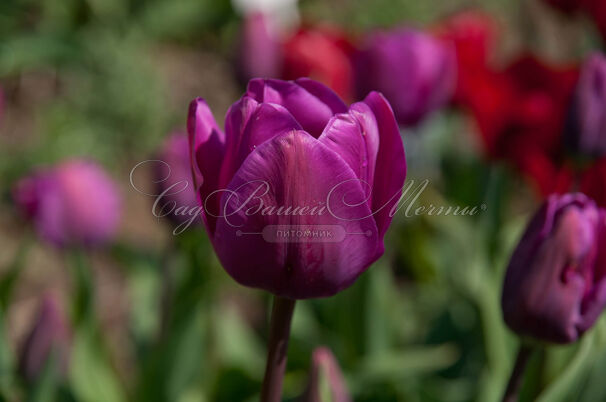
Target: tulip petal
x: 207, y: 146
x: 295, y: 170
x: 312, y: 104
x: 248, y: 125
x: 390, y: 170
x: 355, y: 137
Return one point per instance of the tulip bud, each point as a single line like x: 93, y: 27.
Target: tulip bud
x: 260, y: 51
x: 555, y: 285
x: 49, y: 338
x: 415, y: 72
x: 326, y: 381
x: 73, y: 203
x: 298, y: 190
x: 174, y: 179
x: 587, y: 131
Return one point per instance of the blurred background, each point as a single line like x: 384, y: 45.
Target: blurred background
x: 146, y: 315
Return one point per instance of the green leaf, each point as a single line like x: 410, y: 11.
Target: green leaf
x: 91, y: 376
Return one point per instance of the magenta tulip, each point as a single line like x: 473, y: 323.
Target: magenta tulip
x: 326, y: 379
x: 588, y: 128
x: 555, y: 286
x: 72, y: 204
x: 177, y: 197
x: 49, y: 338
x: 415, y: 72
x: 298, y: 190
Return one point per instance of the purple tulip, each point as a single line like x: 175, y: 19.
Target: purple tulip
x: 589, y: 107
x: 555, y: 285
x: 49, y: 338
x: 260, y: 52
x: 293, y: 157
x: 174, y: 178
x: 415, y: 72
x: 73, y: 203
x: 326, y: 378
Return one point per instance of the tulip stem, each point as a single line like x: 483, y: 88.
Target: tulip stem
x: 517, y: 374
x: 281, y: 317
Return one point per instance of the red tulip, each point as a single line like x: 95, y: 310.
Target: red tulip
x: 323, y: 54
x: 474, y: 36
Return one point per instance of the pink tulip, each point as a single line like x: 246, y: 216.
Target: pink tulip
x: 294, y: 157
x: 326, y: 375
x: 73, y: 203
x: 174, y: 179
x: 49, y: 338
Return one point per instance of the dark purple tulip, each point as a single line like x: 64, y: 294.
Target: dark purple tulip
x: 49, y: 338
x: 555, y: 285
x: 589, y: 108
x: 260, y: 53
x: 415, y: 72
x: 74, y: 203
x: 326, y: 377
x: 301, y: 145
x: 174, y: 178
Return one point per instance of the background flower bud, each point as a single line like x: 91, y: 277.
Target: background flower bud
x: 174, y: 179
x: 324, y: 54
x: 73, y: 203
x: 48, y: 338
x: 555, y: 285
x: 587, y: 130
x: 415, y: 72
x: 325, y: 379
x: 260, y: 53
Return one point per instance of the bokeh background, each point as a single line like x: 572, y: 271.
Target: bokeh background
x: 159, y: 319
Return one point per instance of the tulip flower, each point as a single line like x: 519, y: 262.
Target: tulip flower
x: 588, y: 115
x: 474, y: 36
x: 555, y: 286
x: 74, y: 203
x: 297, y: 193
x: 520, y: 114
x: 326, y: 381
x: 260, y: 53
x: 322, y: 53
x: 49, y: 338
x: 309, y: 150
x: 415, y: 72
x: 173, y: 176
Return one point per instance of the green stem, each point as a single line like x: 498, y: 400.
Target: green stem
x: 517, y: 374
x: 83, y: 310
